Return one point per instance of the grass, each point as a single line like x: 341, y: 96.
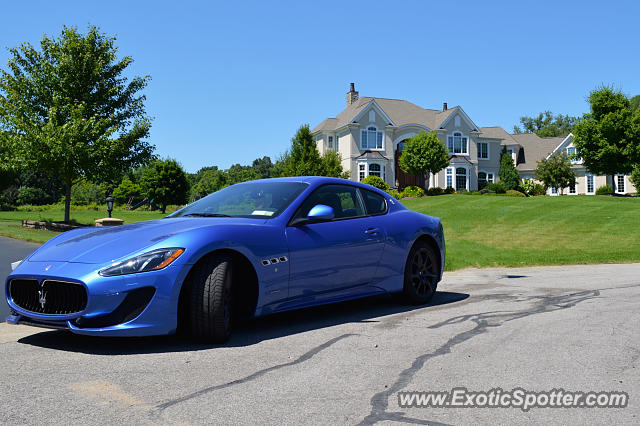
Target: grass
x: 11, y: 221
x: 483, y: 231
x: 480, y: 231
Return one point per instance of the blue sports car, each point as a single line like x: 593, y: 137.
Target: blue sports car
x: 250, y: 249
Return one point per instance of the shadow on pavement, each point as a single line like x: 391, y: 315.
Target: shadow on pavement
x: 245, y: 334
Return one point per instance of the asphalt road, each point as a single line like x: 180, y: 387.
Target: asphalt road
x: 574, y: 328
x: 10, y: 251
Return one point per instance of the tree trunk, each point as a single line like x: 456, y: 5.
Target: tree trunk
x: 67, y: 199
x: 163, y: 208
x: 426, y: 181
x: 613, y: 185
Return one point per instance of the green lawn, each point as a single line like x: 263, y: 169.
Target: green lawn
x: 511, y: 231
x: 480, y: 231
x: 11, y: 222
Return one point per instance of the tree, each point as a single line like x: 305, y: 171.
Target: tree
x: 423, y: 154
x: 303, y: 158
x: 635, y: 178
x: 508, y: 173
x: 635, y: 102
x: 556, y: 172
x: 211, y: 181
x: 262, y: 167
x: 126, y: 190
x: 238, y: 173
x: 165, y: 183
x: 547, y: 125
x: 608, y: 138
x: 67, y: 109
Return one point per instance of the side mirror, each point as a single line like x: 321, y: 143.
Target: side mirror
x: 321, y: 212
x: 318, y: 213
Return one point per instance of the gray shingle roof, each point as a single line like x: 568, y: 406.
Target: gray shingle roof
x: 535, y: 149
x: 497, y: 132
x: 400, y: 111
x: 372, y: 155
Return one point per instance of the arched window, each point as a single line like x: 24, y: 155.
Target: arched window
x: 375, y: 170
x: 461, y: 178
x: 457, y: 143
x: 371, y: 138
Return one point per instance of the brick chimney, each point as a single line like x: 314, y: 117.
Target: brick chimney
x: 444, y: 106
x: 352, y: 95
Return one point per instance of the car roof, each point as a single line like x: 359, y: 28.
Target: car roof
x: 317, y: 181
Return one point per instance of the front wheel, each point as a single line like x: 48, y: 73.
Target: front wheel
x: 421, y: 273
x: 210, y: 300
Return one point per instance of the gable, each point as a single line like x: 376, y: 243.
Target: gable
x: 373, y: 113
x: 457, y: 118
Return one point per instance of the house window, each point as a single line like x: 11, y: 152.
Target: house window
x: 374, y: 170
x: 457, y: 144
x: 589, y: 184
x: 483, y: 150
x: 371, y: 138
x: 572, y: 189
x: 484, y: 179
x: 371, y: 169
x: 361, y: 171
x: 490, y: 177
x: 571, y: 151
x: 620, y: 186
x: 330, y: 142
x: 554, y: 190
x: 449, y: 177
x: 461, y: 178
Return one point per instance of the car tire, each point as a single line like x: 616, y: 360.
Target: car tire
x: 210, y: 300
x: 421, y: 274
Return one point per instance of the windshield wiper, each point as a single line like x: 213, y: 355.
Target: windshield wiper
x: 206, y: 215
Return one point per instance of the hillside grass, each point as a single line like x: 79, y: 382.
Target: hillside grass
x: 480, y: 231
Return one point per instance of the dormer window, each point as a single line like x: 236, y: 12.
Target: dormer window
x: 571, y: 152
x: 371, y: 138
x: 457, y: 144
x: 330, y: 142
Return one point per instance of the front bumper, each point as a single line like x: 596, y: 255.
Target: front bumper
x: 141, y: 304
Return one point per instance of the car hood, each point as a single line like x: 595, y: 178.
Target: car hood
x: 102, y: 245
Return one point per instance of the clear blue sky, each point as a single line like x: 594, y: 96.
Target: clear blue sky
x: 233, y: 81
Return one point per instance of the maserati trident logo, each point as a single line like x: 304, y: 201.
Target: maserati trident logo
x: 42, y: 297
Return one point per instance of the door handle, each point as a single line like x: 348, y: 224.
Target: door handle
x: 372, y: 231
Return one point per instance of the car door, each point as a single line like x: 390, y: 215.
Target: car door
x: 337, y: 255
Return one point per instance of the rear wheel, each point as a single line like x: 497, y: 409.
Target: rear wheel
x: 421, y: 273
x: 210, y: 300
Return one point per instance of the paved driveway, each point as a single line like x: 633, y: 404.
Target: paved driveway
x: 574, y: 328
x: 10, y: 251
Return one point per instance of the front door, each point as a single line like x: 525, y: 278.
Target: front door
x: 336, y: 256
x: 403, y: 179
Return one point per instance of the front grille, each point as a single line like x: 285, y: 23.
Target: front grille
x: 52, y: 297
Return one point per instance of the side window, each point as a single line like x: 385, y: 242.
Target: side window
x: 342, y: 198
x: 375, y: 204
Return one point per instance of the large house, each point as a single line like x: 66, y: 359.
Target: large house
x: 370, y: 134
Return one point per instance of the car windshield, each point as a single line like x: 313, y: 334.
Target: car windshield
x: 259, y: 200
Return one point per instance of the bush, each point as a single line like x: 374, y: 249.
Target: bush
x: 413, y: 191
x: 514, y: 193
x: 436, y: 190
x: 532, y: 188
x: 449, y: 190
x: 86, y: 192
x: 29, y: 195
x: 465, y: 192
x: 496, y: 188
x: 604, y: 190
x: 635, y: 178
x: 376, y: 181
x: 125, y: 191
x: 395, y: 194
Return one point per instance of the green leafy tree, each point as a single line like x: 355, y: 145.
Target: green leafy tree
x: 211, y: 181
x: 126, y: 190
x: 194, y: 178
x: 165, y: 183
x: 69, y: 110
x: 556, y: 172
x: 547, y: 125
x: 635, y: 178
x: 608, y: 138
x: 508, y: 173
x: 303, y: 158
x: 238, y: 173
x: 635, y: 102
x: 262, y: 167
x: 423, y: 154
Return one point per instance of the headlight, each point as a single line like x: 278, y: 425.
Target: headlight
x: 152, y: 261
x: 14, y: 265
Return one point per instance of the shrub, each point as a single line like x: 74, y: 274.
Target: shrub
x: 376, y: 181
x: 126, y: 190
x: 86, y: 192
x: 29, y: 195
x: 395, y: 194
x: 449, y: 190
x: 604, y: 190
x: 476, y: 193
x: 514, y: 193
x: 497, y: 188
x: 466, y: 193
x: 413, y: 191
x: 436, y: 190
x: 532, y: 188
x: 635, y: 178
